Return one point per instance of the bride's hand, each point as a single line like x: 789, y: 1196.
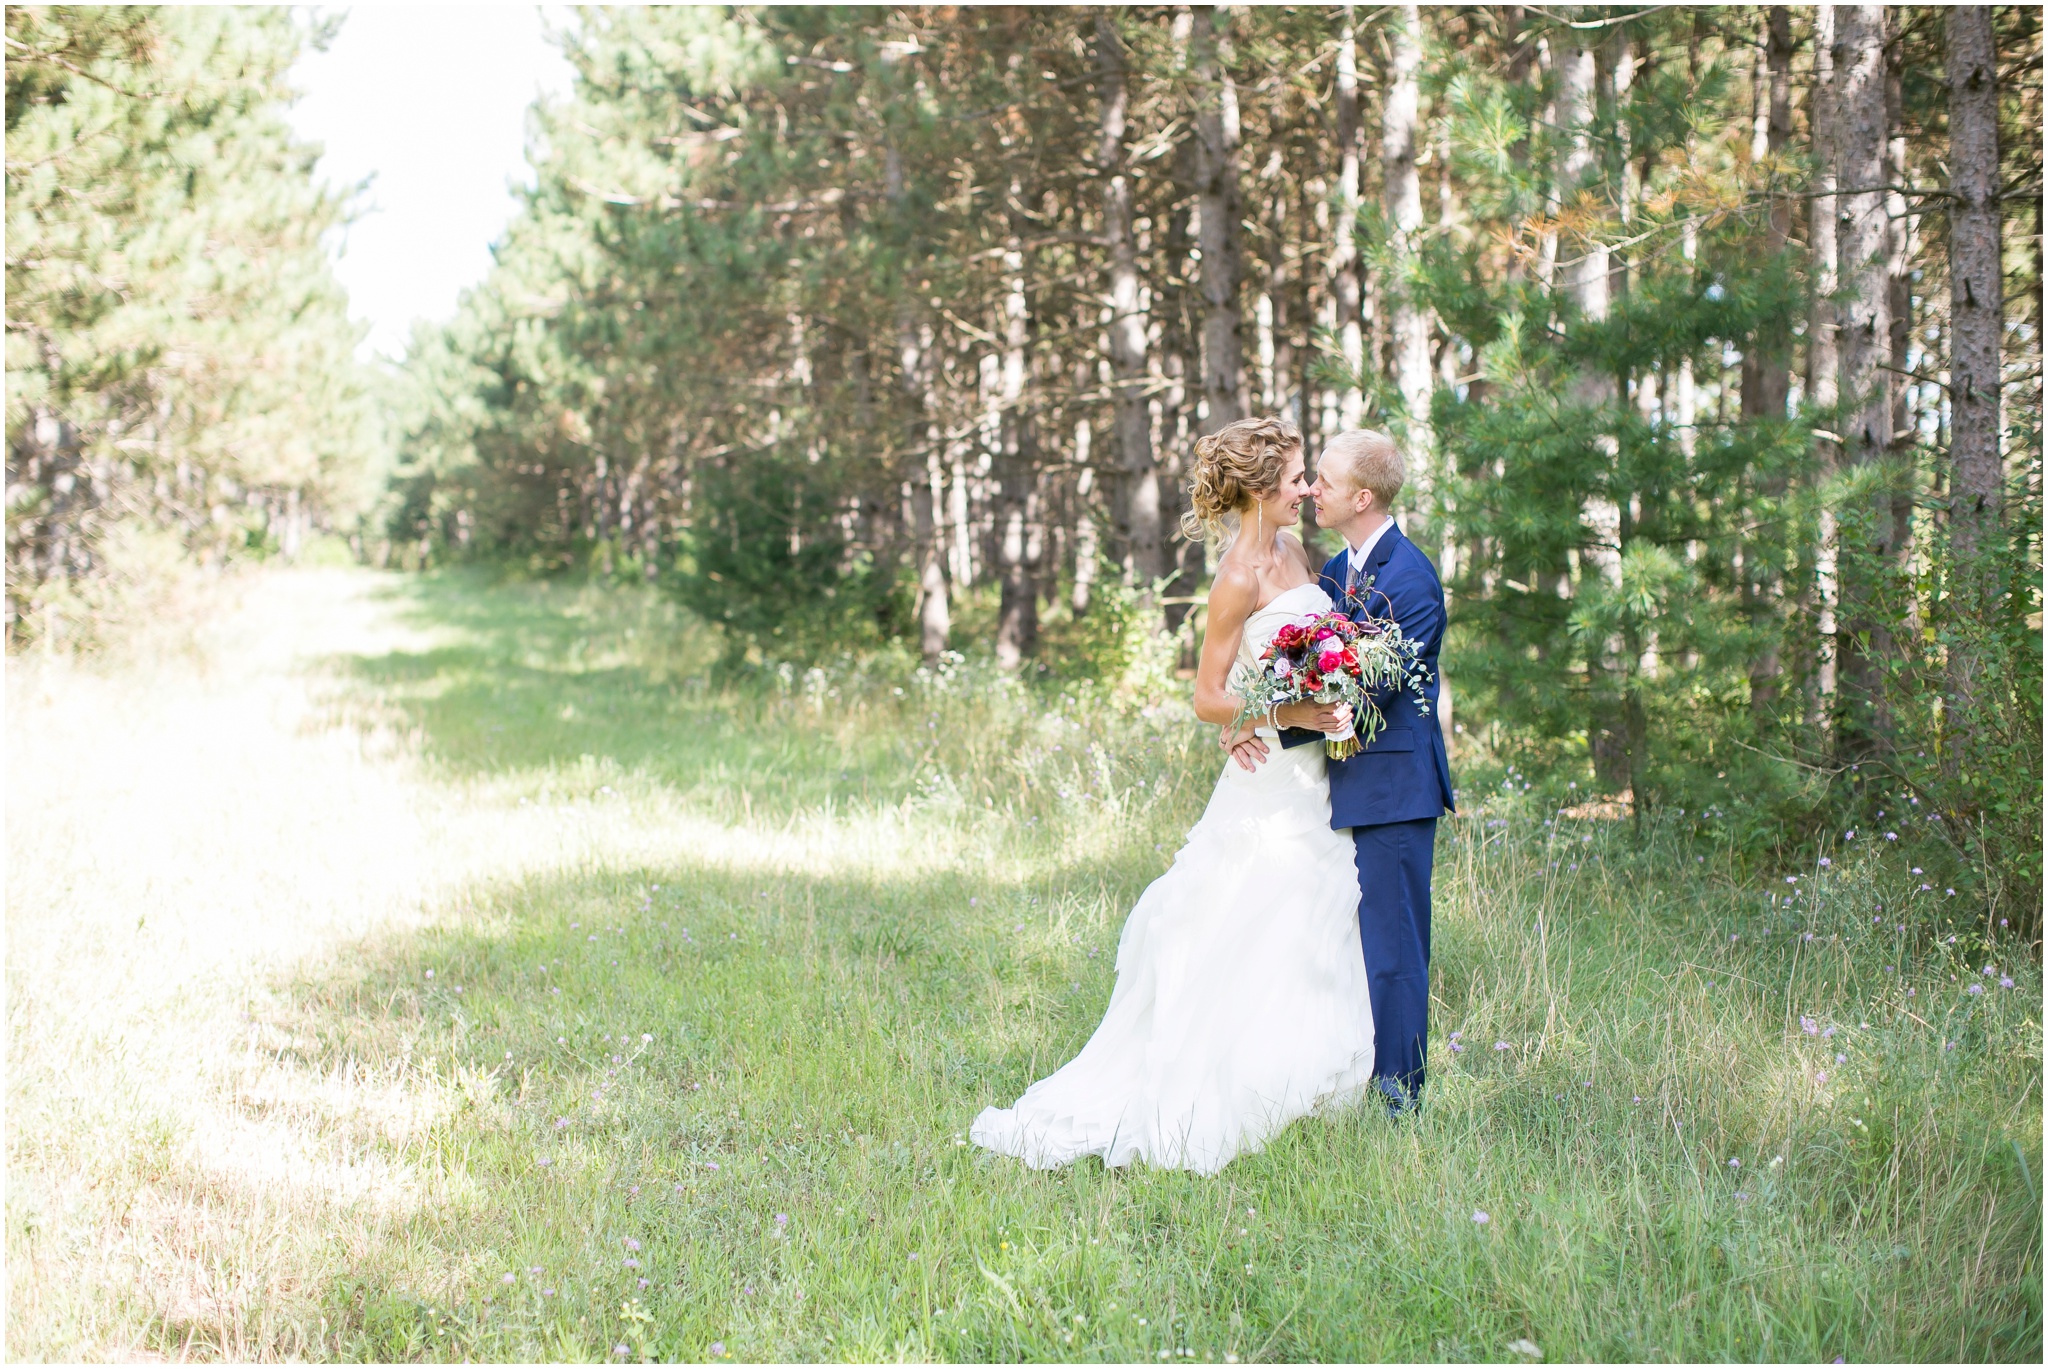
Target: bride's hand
x: 1313, y: 717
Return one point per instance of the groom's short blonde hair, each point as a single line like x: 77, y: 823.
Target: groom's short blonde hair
x: 1370, y: 461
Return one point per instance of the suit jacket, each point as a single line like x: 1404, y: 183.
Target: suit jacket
x: 1405, y: 775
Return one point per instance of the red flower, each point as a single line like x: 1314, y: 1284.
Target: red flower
x: 1330, y: 662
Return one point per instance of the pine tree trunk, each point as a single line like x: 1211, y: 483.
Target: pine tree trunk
x: 1344, y: 265
x: 1410, y: 319
x: 1586, y: 272
x: 1976, y: 328
x: 1583, y: 276
x: 1138, y: 501
x: 935, y: 616
x: 1177, y: 347
x: 1977, y: 306
x: 1087, y: 541
x: 1216, y: 145
x: 1016, y: 475
x: 1767, y: 376
x: 934, y: 609
x: 1864, y: 246
x: 1899, y: 295
x: 1824, y: 355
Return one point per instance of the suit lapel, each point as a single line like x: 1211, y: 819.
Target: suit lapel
x: 1382, y: 550
x: 1385, y: 549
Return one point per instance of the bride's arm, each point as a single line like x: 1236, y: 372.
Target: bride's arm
x: 1232, y: 598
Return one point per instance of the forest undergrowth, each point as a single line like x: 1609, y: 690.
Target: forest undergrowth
x: 442, y: 968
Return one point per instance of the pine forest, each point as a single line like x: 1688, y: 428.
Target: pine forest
x: 786, y: 538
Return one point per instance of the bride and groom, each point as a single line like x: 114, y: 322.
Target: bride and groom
x: 1282, y: 962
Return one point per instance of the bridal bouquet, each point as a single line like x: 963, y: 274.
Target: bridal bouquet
x: 1334, y: 659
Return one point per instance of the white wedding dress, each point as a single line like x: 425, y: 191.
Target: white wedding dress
x: 1240, y: 1000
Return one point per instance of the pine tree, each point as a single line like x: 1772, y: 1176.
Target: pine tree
x: 178, y: 353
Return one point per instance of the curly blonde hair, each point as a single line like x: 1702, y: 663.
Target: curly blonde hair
x: 1233, y: 468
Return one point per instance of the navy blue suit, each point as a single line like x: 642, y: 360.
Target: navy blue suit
x: 1390, y: 796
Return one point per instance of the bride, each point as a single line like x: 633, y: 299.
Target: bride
x: 1240, y: 1000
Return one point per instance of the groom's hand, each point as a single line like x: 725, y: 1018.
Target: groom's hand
x: 1313, y: 717
x: 1245, y: 746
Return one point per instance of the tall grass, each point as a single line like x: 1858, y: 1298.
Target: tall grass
x: 441, y: 969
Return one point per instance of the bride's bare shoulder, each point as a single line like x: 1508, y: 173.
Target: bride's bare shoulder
x: 1234, y: 593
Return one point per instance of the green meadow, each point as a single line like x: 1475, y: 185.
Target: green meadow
x: 436, y: 968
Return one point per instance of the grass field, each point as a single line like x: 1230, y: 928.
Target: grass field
x: 435, y: 969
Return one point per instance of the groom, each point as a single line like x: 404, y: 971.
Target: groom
x: 1391, y: 793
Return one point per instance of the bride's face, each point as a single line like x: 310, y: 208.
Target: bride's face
x: 1282, y: 505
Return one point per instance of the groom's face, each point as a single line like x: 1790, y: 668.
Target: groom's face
x: 1338, y: 501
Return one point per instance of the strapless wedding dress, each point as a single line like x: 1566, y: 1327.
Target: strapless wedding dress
x: 1240, y: 1000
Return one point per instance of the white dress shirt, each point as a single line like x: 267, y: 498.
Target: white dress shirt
x: 1360, y: 556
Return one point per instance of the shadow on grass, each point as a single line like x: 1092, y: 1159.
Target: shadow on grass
x: 749, y: 1090
x: 544, y: 682
x: 674, y: 1056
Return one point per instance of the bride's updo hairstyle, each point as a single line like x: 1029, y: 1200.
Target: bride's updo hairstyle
x: 1234, y: 467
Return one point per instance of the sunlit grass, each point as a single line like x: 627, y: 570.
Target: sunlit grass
x: 434, y: 961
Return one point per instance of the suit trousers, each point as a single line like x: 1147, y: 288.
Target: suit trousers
x: 1394, y: 863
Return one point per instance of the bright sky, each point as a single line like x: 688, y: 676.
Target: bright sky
x: 430, y: 99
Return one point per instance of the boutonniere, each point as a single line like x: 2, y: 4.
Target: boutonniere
x: 1363, y: 598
